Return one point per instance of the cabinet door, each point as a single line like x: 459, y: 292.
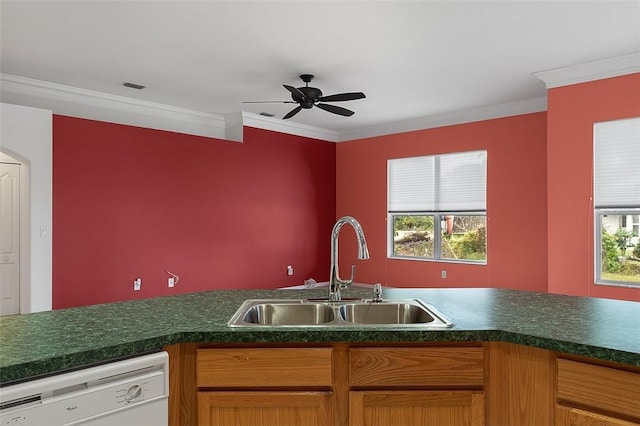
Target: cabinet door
x: 416, y: 408
x: 566, y: 416
x: 264, y: 408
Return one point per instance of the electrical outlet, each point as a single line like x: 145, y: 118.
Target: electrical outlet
x: 137, y: 284
x: 443, y: 274
x: 289, y: 270
x: 171, y: 281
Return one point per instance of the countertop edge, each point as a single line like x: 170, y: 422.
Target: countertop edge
x: 45, y: 343
x: 42, y: 368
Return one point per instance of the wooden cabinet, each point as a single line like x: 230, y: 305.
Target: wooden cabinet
x: 417, y: 366
x: 575, y: 417
x: 520, y: 385
x: 416, y: 408
x: 415, y: 386
x: 590, y: 394
x: 264, y: 386
x: 263, y: 367
x: 266, y: 408
x: 493, y: 383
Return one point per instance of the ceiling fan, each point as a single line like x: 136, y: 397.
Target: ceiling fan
x: 307, y: 97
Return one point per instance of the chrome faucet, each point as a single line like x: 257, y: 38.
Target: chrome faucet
x: 335, y: 283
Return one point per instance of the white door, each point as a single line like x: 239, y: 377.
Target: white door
x: 9, y: 239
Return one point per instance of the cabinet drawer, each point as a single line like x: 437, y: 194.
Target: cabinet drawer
x: 453, y: 366
x: 600, y: 387
x: 264, y: 367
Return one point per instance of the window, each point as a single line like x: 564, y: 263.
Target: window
x: 437, y: 207
x: 617, y: 201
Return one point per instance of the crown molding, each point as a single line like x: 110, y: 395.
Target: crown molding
x: 449, y: 119
x: 72, y: 101
x: 75, y: 102
x: 277, y: 125
x: 82, y: 103
x: 597, y: 70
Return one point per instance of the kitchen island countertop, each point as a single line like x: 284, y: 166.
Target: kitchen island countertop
x: 42, y: 343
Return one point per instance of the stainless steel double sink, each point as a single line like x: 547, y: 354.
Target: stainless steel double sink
x: 387, y: 313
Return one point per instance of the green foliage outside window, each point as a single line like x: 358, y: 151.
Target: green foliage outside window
x: 415, y: 236
x: 471, y: 245
x: 622, y: 237
x: 413, y: 223
x: 620, y: 259
x: 610, y: 262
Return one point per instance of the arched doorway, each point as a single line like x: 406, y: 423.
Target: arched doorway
x: 26, y: 135
x: 10, y: 234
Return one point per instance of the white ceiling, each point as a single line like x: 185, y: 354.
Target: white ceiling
x: 412, y: 58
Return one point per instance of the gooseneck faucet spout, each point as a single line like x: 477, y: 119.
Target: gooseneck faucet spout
x: 335, y: 283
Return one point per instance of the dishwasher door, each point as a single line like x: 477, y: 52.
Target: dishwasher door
x: 149, y: 414
x: 133, y: 392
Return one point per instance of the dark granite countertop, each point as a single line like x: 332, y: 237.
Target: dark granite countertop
x: 41, y: 343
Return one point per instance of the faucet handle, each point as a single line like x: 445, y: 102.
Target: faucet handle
x: 353, y: 274
x: 347, y: 283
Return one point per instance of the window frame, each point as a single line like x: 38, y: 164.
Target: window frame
x: 615, y: 154
x: 417, y: 200
x: 438, y: 217
x: 597, y: 277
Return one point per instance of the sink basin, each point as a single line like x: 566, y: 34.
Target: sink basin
x: 289, y: 314
x: 411, y: 313
x: 386, y: 313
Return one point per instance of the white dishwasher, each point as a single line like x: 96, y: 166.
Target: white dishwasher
x: 132, y: 392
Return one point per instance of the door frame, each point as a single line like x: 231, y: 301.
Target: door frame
x: 23, y: 229
x: 27, y: 135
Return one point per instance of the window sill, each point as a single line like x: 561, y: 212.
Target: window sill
x: 618, y: 284
x: 448, y: 261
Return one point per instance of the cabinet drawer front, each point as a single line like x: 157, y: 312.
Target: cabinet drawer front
x: 265, y: 367
x: 600, y: 387
x: 416, y: 366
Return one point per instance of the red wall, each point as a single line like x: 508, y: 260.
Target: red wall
x: 132, y: 202
x: 572, y: 110
x: 516, y: 203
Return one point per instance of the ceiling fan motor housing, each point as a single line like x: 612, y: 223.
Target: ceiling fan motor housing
x: 311, y: 96
x: 307, y: 97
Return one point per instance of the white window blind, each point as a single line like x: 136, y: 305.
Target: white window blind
x: 411, y: 184
x: 448, y: 182
x: 617, y: 163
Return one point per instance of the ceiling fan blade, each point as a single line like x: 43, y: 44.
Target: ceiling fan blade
x: 335, y: 109
x: 294, y: 91
x: 351, y: 96
x: 292, y: 112
x: 269, y: 102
